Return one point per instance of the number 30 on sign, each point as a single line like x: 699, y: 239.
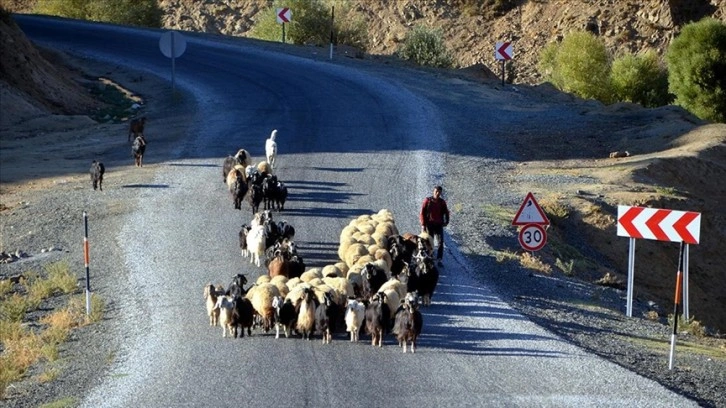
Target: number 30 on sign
x: 532, y: 237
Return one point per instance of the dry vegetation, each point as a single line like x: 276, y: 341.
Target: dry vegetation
x: 28, y: 336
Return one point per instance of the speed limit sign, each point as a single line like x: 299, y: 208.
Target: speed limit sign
x: 532, y: 237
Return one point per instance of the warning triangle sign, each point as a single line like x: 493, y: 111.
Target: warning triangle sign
x: 530, y: 213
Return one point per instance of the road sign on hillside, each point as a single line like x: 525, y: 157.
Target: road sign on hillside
x: 284, y: 15
x: 503, y: 51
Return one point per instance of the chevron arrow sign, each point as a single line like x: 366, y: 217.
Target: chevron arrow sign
x: 659, y: 224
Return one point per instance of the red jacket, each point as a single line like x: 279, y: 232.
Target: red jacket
x: 434, y: 211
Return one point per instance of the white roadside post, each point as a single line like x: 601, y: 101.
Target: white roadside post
x: 172, y: 44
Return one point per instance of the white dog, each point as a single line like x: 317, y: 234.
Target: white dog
x: 271, y: 149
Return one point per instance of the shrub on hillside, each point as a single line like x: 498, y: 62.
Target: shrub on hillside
x: 310, y: 24
x: 425, y: 46
x: 640, y: 79
x: 580, y: 64
x: 697, y: 69
x: 144, y: 13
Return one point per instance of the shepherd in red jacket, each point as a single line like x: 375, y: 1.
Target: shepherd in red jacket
x: 434, y: 216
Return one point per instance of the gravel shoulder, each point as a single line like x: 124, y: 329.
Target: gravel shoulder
x: 44, y: 211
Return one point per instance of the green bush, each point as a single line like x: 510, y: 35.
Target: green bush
x: 310, y: 24
x: 640, y: 79
x: 144, y: 13
x: 350, y: 28
x: 697, y: 69
x: 425, y: 46
x: 580, y: 64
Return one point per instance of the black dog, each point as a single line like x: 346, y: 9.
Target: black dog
x: 97, y: 171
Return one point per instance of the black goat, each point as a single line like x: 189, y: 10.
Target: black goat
x: 326, y: 317
x: 427, y: 276
x: 97, y: 170
x: 408, y: 325
x: 377, y: 319
x: 242, y: 316
x: 285, y: 315
x: 239, y: 190
x: 296, y: 267
x: 373, y: 278
x: 236, y: 288
x: 401, y: 251
x: 255, y: 197
x: 243, y: 239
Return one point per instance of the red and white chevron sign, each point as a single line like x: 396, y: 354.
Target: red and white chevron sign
x: 658, y: 224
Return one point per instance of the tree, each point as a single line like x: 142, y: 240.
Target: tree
x: 640, y: 79
x: 145, y: 13
x: 580, y: 64
x: 697, y: 69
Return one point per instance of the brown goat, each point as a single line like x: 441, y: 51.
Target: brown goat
x: 210, y: 295
x: 278, y: 266
x: 136, y: 127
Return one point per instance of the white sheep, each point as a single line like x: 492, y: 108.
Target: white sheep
x: 225, y: 304
x: 354, y: 315
x: 271, y: 149
x: 393, y: 300
x: 343, y: 288
x: 397, y: 286
x: 281, y: 282
x: 263, y: 167
x: 262, y: 303
x: 256, y: 243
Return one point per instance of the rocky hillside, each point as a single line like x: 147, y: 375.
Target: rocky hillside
x: 625, y: 25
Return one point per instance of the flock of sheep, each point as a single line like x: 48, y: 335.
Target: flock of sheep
x: 375, y: 286
x: 256, y: 182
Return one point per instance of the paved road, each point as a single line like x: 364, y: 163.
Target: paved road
x: 350, y: 144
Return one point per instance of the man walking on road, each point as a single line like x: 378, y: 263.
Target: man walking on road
x: 434, y: 216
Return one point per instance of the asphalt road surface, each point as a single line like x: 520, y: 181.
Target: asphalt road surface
x: 350, y: 144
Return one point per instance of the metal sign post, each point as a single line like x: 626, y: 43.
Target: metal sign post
x: 172, y: 45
